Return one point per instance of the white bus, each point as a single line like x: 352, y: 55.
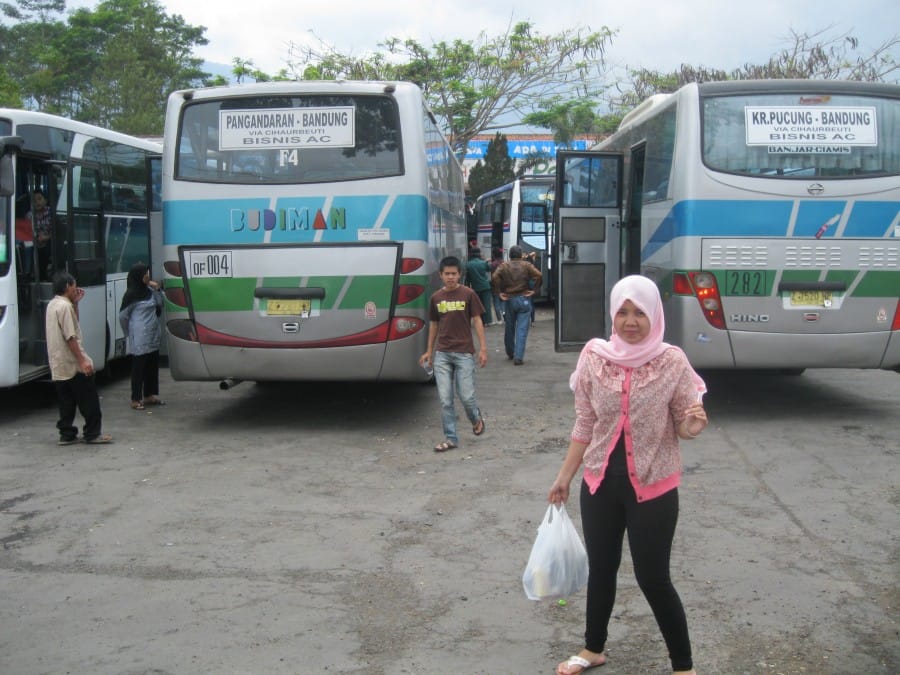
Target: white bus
x: 767, y: 212
x: 518, y: 214
x: 303, y: 227
x: 102, y: 194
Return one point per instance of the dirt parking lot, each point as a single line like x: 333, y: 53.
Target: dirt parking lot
x: 310, y: 528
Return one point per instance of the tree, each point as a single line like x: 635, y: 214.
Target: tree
x: 9, y: 92
x: 129, y: 54
x: 498, y: 167
x: 474, y: 86
x: 26, y: 45
x: 816, y: 55
x: 570, y: 119
x: 113, y: 66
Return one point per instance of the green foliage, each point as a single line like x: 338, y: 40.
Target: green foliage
x: 498, y: 168
x: 471, y: 85
x: 113, y: 66
x: 9, y: 92
x: 816, y: 56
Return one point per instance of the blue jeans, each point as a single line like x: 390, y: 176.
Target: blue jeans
x: 455, y: 368
x: 518, y: 321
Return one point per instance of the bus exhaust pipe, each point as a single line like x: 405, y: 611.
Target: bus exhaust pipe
x: 228, y: 383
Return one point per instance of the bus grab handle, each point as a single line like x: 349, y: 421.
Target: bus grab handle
x: 316, y: 293
x: 812, y: 286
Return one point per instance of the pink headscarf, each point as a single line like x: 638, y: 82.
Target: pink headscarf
x: 645, y: 296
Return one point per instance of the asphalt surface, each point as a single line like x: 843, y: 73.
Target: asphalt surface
x: 310, y: 528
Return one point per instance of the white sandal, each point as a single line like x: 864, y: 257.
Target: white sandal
x: 583, y: 663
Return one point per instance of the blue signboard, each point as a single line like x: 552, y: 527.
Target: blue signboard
x: 523, y: 148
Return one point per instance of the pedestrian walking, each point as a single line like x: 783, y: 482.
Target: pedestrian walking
x: 635, y: 396
x: 71, y: 369
x: 516, y: 281
x: 454, y: 311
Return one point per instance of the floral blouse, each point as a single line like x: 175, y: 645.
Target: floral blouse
x: 643, y: 404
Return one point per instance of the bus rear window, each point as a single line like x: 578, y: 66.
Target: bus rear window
x: 802, y: 136
x: 289, y: 139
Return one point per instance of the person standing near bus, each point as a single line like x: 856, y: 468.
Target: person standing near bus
x: 516, y: 281
x: 635, y: 396
x: 139, y: 317
x: 478, y: 276
x: 453, y: 311
x: 71, y: 369
x: 42, y: 222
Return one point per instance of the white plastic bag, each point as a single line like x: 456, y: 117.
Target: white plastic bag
x: 558, y: 564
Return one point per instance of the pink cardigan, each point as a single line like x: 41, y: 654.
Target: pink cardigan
x: 645, y: 404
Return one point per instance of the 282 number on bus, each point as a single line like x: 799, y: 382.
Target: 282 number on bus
x: 745, y: 283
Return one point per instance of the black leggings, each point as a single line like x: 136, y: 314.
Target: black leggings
x: 605, y: 517
x: 144, y: 376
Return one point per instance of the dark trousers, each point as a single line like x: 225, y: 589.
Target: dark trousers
x: 486, y: 297
x: 144, y: 375
x: 80, y: 392
x: 606, y: 516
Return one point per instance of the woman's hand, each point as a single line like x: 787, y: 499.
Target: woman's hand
x: 559, y: 492
x: 694, y: 422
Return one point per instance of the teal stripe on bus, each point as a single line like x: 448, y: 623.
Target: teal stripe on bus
x: 294, y: 220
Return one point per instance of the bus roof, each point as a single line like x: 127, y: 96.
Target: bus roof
x: 739, y: 87
x: 19, y: 116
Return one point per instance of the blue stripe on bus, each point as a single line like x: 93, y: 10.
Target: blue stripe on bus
x: 246, y: 221
x: 871, y: 219
x: 812, y: 216
x: 710, y: 218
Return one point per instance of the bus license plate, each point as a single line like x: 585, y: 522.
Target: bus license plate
x: 811, y: 298
x: 288, y: 307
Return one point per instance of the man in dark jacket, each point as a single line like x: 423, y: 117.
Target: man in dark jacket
x: 516, y: 281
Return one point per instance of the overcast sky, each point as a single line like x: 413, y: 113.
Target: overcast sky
x: 655, y: 34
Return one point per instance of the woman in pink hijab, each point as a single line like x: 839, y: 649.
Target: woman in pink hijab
x: 635, y: 397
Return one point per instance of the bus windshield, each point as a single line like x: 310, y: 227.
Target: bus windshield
x: 289, y: 139
x: 802, y: 136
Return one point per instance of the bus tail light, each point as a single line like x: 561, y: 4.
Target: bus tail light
x: 896, y: 324
x: 172, y: 267
x: 408, y: 293
x: 183, y: 329
x: 404, y: 326
x: 703, y: 286
x: 176, y: 296
x: 408, y: 265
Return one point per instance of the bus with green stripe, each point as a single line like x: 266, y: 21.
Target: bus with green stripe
x: 767, y: 212
x: 303, y: 224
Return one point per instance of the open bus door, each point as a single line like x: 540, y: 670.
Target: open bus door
x: 79, y: 249
x: 586, y: 248
x: 534, y: 236
x: 155, y: 225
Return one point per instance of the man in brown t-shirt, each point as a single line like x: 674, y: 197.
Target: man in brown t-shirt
x: 453, y: 312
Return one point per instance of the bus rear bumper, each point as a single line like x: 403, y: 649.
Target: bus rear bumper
x: 757, y: 350
x: 369, y: 363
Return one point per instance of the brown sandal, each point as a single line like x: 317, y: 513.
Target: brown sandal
x: 137, y: 405
x: 444, y: 446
